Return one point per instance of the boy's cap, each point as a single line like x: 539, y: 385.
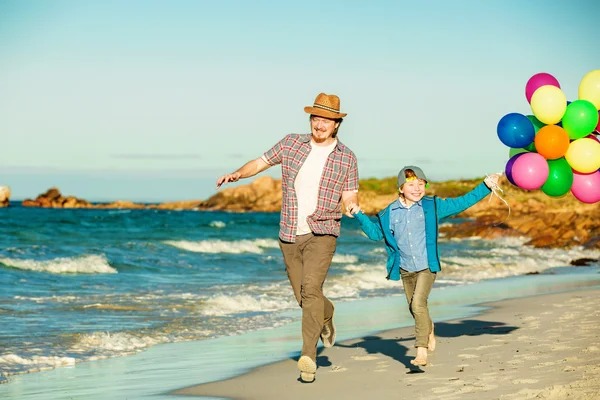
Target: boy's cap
x: 418, y: 172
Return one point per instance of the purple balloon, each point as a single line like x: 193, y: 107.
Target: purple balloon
x: 509, y: 165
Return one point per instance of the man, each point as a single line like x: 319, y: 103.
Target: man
x: 318, y: 174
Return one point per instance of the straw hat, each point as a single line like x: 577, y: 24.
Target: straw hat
x: 326, y: 106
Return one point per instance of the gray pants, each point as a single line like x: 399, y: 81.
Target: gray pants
x: 307, y: 262
x: 417, y: 286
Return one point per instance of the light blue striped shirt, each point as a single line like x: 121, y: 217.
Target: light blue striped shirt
x: 408, y: 227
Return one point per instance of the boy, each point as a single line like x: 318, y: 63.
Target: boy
x: 409, y: 226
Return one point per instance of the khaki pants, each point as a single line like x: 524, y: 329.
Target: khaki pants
x: 307, y: 262
x: 417, y: 286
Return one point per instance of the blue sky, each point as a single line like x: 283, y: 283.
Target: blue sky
x: 153, y: 100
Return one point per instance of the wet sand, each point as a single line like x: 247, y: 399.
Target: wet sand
x: 539, y: 347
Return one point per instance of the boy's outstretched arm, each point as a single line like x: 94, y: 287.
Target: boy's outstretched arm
x: 371, y: 229
x: 453, y: 206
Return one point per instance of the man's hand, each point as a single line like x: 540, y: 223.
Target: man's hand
x: 249, y: 169
x: 228, y: 178
x: 353, y: 208
x: 349, y: 197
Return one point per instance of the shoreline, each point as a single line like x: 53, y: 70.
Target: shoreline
x: 163, y: 370
x: 539, y: 346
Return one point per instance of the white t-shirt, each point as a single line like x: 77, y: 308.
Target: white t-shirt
x: 307, y: 183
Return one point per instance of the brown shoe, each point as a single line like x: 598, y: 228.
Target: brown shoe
x: 328, y: 334
x: 308, y: 369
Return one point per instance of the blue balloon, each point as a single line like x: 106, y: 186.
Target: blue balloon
x: 516, y: 130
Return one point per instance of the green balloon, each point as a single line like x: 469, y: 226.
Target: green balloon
x: 559, y: 179
x: 580, y: 119
x: 513, y: 151
x: 537, y: 124
x: 531, y: 147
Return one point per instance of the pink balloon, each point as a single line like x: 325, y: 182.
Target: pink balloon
x: 537, y: 81
x: 592, y: 136
x: 530, y: 171
x: 586, y: 187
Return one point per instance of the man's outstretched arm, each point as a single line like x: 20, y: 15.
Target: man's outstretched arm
x: 249, y: 169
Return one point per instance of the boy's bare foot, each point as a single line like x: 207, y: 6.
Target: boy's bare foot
x: 432, y: 342
x: 421, y: 358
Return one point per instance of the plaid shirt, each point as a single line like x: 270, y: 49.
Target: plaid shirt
x: 340, y: 174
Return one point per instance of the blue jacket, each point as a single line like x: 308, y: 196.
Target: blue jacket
x: 434, y: 209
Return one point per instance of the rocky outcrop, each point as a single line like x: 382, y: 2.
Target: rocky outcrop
x: 120, y: 204
x: 179, y: 205
x: 543, y: 221
x: 547, y: 228
x: 54, y: 199
x: 546, y: 222
x: 262, y: 194
x: 4, y: 196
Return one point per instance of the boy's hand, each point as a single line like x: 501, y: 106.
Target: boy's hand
x: 492, y: 180
x: 353, y: 208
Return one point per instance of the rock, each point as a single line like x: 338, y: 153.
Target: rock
x: 120, y: 204
x: 4, y: 196
x: 179, y: 205
x: 263, y: 194
x: 44, y: 202
x: 74, y: 202
x: 544, y: 241
x: 51, y: 194
x: 30, y: 203
x: 593, y: 242
x: 584, y: 262
x: 52, y: 198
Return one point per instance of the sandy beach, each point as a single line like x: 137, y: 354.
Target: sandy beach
x: 539, y: 347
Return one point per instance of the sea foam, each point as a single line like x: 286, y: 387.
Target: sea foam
x: 227, y: 305
x: 256, y: 246
x: 344, y: 258
x: 90, y: 264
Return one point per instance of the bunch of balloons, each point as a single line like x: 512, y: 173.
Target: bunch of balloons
x: 556, y: 149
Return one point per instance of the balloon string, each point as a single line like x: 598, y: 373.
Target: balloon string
x: 496, y: 190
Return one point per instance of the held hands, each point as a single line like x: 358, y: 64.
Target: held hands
x: 228, y: 178
x: 352, y: 208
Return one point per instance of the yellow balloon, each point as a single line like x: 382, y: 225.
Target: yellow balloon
x: 589, y: 88
x: 548, y: 104
x: 583, y: 155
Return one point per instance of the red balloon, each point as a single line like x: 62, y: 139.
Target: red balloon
x: 537, y: 81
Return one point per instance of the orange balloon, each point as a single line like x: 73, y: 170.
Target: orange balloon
x: 552, y: 142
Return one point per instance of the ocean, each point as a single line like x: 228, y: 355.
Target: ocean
x: 78, y: 286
